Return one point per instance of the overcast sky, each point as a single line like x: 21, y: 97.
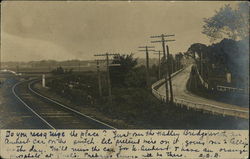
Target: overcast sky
x: 78, y: 30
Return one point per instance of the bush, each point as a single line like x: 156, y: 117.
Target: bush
x: 61, y: 71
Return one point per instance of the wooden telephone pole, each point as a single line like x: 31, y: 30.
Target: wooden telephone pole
x: 0, y: 39
x: 108, y: 73
x: 159, y: 63
x: 168, y: 75
x: 99, y: 76
x: 79, y: 66
x: 147, y: 49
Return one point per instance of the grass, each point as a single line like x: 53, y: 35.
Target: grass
x: 233, y: 98
x: 135, y: 107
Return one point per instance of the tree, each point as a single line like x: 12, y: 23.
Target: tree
x: 118, y: 73
x: 178, y: 58
x: 226, y: 56
x: 60, y: 71
x: 232, y: 56
x: 197, y: 48
x: 154, y: 71
x: 136, y: 77
x: 229, y: 22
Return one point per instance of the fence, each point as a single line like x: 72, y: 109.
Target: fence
x: 214, y: 109
x: 231, y: 89
x: 204, y: 83
x: 162, y: 81
x: 221, y: 88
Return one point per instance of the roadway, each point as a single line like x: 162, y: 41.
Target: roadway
x: 179, y: 90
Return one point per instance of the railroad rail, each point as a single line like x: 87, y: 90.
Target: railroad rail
x: 66, y: 110
x: 27, y: 106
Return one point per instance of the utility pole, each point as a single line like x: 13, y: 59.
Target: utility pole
x: 17, y: 68
x: 108, y: 73
x: 108, y: 78
x: 99, y: 76
x: 0, y: 38
x: 201, y: 63
x: 169, y: 76
x: 172, y: 64
x: 147, y: 49
x: 178, y: 61
x: 162, y: 40
x: 49, y: 67
x: 79, y: 66
x: 0, y: 52
x: 159, y: 63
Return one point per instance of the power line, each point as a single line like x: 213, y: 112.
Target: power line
x: 0, y: 38
x: 147, y: 49
x: 108, y: 72
x: 159, y: 63
x: 162, y: 35
x: 168, y: 75
x: 99, y: 76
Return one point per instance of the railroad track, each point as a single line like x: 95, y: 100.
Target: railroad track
x: 54, y: 114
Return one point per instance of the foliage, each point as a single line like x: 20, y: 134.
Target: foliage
x: 75, y: 87
x: 174, y: 63
x: 197, y: 48
x: 136, y: 77
x: 178, y: 57
x: 137, y: 102
x: 61, y: 71
x: 226, y: 56
x: 231, y: 55
x: 132, y: 103
x: 119, y: 73
x: 154, y: 71
x: 229, y: 22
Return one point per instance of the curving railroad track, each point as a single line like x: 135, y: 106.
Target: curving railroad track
x: 54, y: 114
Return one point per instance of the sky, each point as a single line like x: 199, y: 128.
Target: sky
x: 64, y: 30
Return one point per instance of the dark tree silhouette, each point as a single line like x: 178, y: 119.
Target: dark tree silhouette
x: 228, y: 23
x: 119, y: 73
x: 197, y: 48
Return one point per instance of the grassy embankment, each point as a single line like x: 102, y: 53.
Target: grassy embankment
x: 194, y: 85
x: 131, y: 107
